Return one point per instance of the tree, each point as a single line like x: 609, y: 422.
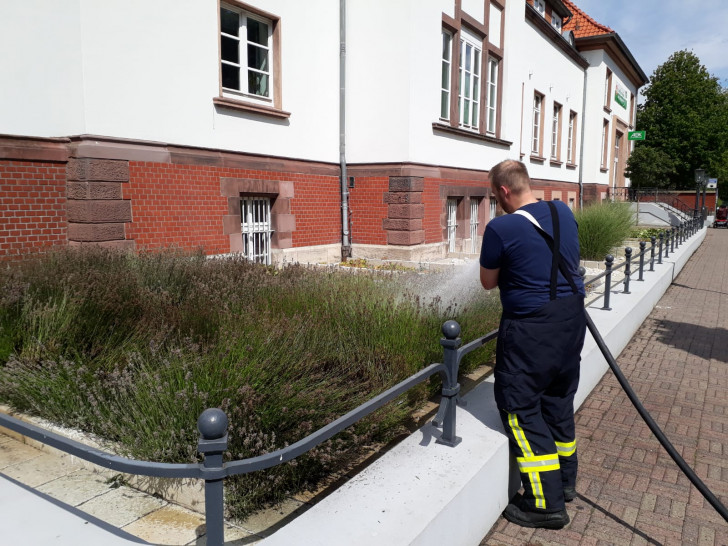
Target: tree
x: 649, y: 167
x: 685, y: 115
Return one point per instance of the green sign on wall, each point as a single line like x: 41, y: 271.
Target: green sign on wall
x: 620, y: 96
x: 636, y: 135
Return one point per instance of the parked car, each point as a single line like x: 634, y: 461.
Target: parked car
x: 721, y: 217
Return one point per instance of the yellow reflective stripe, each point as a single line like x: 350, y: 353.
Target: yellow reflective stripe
x: 537, y: 488
x: 566, y: 449
x: 519, y: 435
x: 538, y: 463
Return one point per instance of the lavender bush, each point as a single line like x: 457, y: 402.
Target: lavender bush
x: 134, y: 346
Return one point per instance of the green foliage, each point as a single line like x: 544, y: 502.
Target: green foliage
x: 644, y: 234
x: 133, y: 347
x: 649, y: 167
x: 602, y: 227
x: 685, y: 114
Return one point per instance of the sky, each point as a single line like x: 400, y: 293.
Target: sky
x: 655, y: 29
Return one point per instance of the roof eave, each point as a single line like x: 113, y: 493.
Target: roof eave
x: 604, y: 41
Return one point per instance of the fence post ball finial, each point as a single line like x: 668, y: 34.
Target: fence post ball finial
x: 451, y: 329
x: 212, y: 424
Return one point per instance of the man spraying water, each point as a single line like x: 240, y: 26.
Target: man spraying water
x: 532, y: 255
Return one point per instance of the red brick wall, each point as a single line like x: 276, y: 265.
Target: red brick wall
x: 32, y: 207
x: 366, y: 200
x: 182, y: 206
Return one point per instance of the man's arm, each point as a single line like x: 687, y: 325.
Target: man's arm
x: 489, y: 277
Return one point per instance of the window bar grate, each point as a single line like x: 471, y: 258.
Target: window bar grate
x: 256, y: 229
x: 474, y: 207
x: 452, y: 207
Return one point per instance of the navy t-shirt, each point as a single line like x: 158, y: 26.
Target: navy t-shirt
x: 513, y: 244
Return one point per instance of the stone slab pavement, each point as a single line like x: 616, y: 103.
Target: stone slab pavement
x: 630, y: 490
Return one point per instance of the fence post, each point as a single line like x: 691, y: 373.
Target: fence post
x: 212, y: 425
x: 627, y: 269
x: 450, y: 385
x: 674, y: 233
x: 659, y: 248
x: 652, y: 253
x: 667, y: 243
x: 643, y: 244
x: 608, y: 260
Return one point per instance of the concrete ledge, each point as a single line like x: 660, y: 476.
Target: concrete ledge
x: 424, y: 493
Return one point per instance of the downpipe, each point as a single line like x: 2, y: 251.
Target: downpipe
x: 697, y: 482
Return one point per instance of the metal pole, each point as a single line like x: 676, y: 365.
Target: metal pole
x: 212, y: 425
x: 450, y: 385
x: 627, y: 269
x: 608, y: 260
x: 652, y: 253
x: 643, y: 244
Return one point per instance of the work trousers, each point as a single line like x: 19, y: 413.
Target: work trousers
x: 536, y: 377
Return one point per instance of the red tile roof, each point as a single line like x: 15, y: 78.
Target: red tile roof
x: 582, y: 25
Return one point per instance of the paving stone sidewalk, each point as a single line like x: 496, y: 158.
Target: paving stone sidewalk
x: 630, y: 491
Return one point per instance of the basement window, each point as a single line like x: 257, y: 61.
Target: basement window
x: 256, y: 229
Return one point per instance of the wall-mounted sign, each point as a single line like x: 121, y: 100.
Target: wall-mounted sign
x: 712, y: 183
x: 636, y: 135
x: 620, y: 96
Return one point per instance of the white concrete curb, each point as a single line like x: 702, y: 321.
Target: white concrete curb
x: 423, y: 493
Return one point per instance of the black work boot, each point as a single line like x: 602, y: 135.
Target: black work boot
x: 569, y: 493
x: 542, y: 520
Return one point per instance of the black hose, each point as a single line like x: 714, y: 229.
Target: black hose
x: 697, y: 482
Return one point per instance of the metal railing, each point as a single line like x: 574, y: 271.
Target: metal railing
x: 664, y: 243
x: 212, y: 424
x: 652, y: 195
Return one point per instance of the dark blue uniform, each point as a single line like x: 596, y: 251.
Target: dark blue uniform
x: 539, y: 346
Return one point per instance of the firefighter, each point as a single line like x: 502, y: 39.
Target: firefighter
x: 532, y: 255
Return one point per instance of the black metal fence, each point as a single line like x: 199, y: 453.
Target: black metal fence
x: 213, y: 423
x: 653, y: 195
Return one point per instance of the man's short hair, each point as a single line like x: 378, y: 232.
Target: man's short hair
x: 511, y: 174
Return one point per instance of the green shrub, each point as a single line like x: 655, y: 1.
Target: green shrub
x: 602, y: 227
x: 133, y: 347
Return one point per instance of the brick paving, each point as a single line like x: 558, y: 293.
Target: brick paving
x: 630, y: 491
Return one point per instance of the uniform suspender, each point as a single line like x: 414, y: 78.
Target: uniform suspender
x: 554, y: 243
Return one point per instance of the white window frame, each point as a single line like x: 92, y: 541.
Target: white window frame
x: 571, y: 138
x: 605, y: 128
x: 608, y: 89
x: 243, y: 65
x: 491, y: 121
x: 556, y: 22
x: 256, y: 230
x: 471, y: 50
x: 556, y: 132
x: 536, y: 137
x: 445, y: 78
x: 493, y: 210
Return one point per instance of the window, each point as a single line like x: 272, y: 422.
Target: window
x: 249, y: 60
x: 469, y: 97
x: 540, y: 6
x: 452, y: 223
x: 474, y: 208
x: 446, y: 71
x: 571, y: 139
x: 491, y: 119
x: 571, y: 203
x: 556, y: 133
x: 245, y: 53
x: 493, y: 207
x: 608, y: 90
x: 537, y: 125
x: 256, y: 228
x: 605, y: 131
x: 556, y: 22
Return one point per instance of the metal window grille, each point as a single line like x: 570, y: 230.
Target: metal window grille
x: 452, y: 225
x: 256, y: 228
x: 493, y: 207
x: 474, y: 206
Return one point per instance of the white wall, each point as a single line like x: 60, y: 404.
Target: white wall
x: 149, y: 70
x: 40, y: 68
x: 537, y: 65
